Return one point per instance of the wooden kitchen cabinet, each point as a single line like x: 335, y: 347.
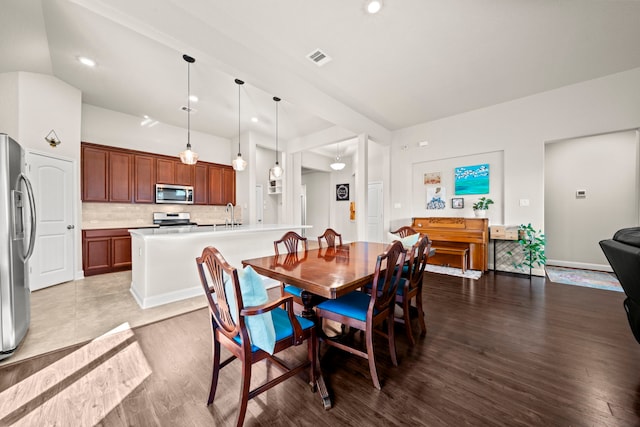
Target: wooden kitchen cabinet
x: 200, y: 185
x: 222, y: 185
x: 165, y: 171
x: 106, y: 175
x: 228, y: 186
x: 94, y: 170
x: 105, y: 251
x: 144, y: 179
x: 215, y: 185
x: 184, y: 174
x: 111, y: 174
x: 120, y: 177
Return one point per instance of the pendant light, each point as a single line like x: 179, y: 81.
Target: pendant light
x: 239, y: 163
x: 188, y: 157
x: 276, y: 171
x: 337, y: 164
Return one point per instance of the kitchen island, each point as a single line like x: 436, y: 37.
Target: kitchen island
x: 164, y: 259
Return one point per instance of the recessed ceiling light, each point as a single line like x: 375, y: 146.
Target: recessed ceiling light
x: 193, y: 98
x: 374, y: 6
x: 254, y: 119
x: 87, y: 61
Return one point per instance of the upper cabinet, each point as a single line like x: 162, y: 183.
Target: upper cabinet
x: 94, y: 170
x: 144, y: 175
x: 222, y: 185
x: 106, y: 175
x: 112, y: 174
x: 201, y: 184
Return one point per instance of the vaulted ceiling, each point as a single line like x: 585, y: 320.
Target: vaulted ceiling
x: 414, y: 61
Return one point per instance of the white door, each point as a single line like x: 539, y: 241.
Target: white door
x: 374, y: 213
x: 259, y: 204
x: 52, y: 260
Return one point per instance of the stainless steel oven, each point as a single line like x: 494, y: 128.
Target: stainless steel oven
x: 178, y: 194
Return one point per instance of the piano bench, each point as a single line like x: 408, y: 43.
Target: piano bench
x: 463, y: 253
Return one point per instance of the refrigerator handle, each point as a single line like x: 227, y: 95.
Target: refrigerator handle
x: 32, y: 210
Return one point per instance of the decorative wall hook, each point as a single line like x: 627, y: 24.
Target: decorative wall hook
x: 52, y: 139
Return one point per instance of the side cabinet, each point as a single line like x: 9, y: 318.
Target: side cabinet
x: 105, y: 251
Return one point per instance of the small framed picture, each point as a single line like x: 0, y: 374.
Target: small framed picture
x: 342, y: 192
x: 457, y: 203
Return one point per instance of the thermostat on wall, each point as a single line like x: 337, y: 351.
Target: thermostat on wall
x: 581, y: 194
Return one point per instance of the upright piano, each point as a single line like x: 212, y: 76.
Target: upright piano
x: 471, y: 233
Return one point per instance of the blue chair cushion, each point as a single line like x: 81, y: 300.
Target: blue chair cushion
x: 261, y: 326
x: 293, y: 290
x: 354, y: 305
x: 282, y: 326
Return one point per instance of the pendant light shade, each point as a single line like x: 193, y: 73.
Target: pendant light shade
x: 239, y: 163
x: 188, y: 156
x: 337, y: 164
x: 276, y: 171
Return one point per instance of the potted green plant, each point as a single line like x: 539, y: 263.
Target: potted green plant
x: 532, y: 243
x: 481, y: 206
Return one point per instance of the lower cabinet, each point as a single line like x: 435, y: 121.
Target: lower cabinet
x: 105, y: 251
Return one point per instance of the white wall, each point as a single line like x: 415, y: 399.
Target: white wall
x: 108, y: 127
x: 265, y: 159
x: 9, y: 104
x: 339, y: 210
x: 446, y: 168
x: 318, y: 192
x: 606, y: 167
x: 34, y: 105
x: 520, y: 128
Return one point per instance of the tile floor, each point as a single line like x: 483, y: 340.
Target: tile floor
x: 81, y: 310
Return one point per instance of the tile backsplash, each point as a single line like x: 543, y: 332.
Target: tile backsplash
x: 132, y: 215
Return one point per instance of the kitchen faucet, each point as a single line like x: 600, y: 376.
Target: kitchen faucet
x: 229, y: 209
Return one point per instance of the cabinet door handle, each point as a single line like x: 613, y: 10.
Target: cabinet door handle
x: 70, y: 227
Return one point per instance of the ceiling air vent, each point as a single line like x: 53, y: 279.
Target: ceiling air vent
x: 318, y: 57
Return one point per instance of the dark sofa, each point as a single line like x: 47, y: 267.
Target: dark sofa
x: 623, y: 253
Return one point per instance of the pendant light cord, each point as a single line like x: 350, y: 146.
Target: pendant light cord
x: 189, y: 104
x: 275, y: 98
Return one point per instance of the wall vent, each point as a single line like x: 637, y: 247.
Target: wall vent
x: 318, y: 57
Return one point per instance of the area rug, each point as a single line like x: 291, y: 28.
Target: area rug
x: 468, y: 274
x: 588, y: 278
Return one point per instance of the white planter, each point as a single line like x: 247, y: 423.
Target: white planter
x: 480, y: 213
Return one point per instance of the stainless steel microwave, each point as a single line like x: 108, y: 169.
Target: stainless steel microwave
x: 178, y: 194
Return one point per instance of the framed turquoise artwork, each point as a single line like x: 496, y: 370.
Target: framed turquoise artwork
x: 472, y: 179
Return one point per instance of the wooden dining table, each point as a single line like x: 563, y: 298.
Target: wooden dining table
x: 324, y: 272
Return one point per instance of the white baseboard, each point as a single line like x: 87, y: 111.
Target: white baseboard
x: 166, y: 298
x: 581, y: 265
x: 79, y: 275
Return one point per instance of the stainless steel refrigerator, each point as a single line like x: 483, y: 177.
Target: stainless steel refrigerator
x: 17, y: 237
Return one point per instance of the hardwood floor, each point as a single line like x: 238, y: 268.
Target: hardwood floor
x: 499, y: 351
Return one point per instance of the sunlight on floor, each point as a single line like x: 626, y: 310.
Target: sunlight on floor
x: 81, y: 388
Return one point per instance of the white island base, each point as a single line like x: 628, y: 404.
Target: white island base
x: 164, y: 260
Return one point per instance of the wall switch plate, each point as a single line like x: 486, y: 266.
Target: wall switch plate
x: 581, y: 194
x: 397, y: 205
x: 524, y: 202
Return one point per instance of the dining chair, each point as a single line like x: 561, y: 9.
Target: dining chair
x: 364, y: 311
x: 405, y: 231
x: 411, y: 288
x: 330, y: 236
x: 238, y: 327
x: 291, y: 240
